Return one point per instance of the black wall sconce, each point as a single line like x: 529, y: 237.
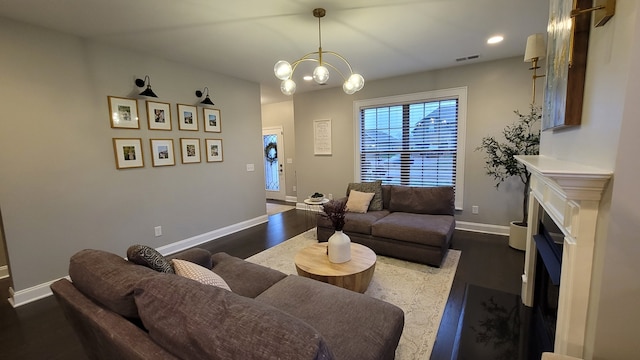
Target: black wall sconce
x: 206, y: 101
x: 147, y: 91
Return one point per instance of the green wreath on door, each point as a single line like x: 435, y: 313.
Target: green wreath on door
x: 271, y: 152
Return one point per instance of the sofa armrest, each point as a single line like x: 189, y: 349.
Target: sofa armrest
x: 102, y: 333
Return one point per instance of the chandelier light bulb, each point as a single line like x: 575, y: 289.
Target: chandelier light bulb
x: 348, y: 87
x: 357, y: 81
x: 283, y: 70
x: 288, y: 87
x: 321, y: 74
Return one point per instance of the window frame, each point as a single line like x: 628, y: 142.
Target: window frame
x: 459, y: 93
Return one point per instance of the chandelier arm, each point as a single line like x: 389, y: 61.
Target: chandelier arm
x: 341, y: 58
x: 297, y: 62
x: 336, y: 69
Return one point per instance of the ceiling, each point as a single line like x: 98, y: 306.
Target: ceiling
x: 245, y: 38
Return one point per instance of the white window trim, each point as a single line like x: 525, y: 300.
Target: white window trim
x: 460, y: 93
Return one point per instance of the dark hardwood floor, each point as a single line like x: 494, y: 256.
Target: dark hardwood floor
x: 39, y: 330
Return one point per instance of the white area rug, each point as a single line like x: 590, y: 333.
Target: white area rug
x: 420, y: 290
x: 277, y: 208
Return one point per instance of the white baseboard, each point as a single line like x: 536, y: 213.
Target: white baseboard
x: 212, y: 235
x: 482, y: 228
x: 291, y: 199
x: 4, y: 271
x: 22, y: 297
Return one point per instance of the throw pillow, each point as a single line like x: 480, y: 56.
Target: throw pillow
x: 149, y: 257
x: 198, y: 273
x: 359, y: 201
x: 369, y: 187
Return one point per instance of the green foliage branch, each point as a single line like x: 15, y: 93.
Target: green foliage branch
x: 521, y: 138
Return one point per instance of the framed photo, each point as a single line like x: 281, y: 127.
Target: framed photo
x: 158, y: 115
x: 187, y: 117
x: 322, y: 137
x: 212, y: 120
x: 190, y: 150
x: 162, y: 152
x: 123, y: 113
x: 214, y: 150
x: 128, y: 153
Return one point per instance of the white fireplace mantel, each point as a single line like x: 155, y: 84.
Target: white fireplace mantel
x: 570, y: 193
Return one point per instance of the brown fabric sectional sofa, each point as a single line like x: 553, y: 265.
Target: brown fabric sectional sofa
x: 415, y: 224
x: 121, y: 310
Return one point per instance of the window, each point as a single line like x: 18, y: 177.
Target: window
x: 413, y: 140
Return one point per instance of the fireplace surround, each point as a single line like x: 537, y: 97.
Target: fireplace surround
x: 570, y: 195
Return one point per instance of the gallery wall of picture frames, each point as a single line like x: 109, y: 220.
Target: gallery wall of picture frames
x: 128, y: 152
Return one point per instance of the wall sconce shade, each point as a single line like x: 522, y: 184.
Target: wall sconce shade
x: 147, y: 91
x: 206, y: 101
x: 284, y: 70
x: 536, y: 48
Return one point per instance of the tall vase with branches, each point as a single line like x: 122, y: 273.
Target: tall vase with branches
x: 521, y: 138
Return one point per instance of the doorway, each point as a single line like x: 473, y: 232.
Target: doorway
x: 274, y: 175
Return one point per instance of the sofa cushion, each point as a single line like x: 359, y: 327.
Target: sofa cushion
x: 369, y: 187
x: 354, y: 222
x: 245, y: 278
x: 422, y: 200
x: 386, y: 196
x: 149, y: 257
x: 196, y: 321
x: 108, y: 279
x: 336, y: 313
x: 358, y: 201
x: 432, y: 230
x: 198, y: 273
x: 199, y: 256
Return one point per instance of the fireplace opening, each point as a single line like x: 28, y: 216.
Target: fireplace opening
x: 549, y: 243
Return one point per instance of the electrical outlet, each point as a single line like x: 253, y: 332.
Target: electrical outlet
x: 295, y: 188
x: 158, y: 230
x: 474, y: 209
x: 250, y: 167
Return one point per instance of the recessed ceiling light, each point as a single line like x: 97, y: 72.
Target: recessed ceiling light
x: 495, y: 39
x: 308, y: 77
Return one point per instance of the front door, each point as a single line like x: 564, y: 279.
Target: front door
x: 273, y: 146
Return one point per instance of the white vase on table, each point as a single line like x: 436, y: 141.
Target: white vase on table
x: 339, y: 247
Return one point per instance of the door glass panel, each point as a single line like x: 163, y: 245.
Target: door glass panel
x: 271, y: 175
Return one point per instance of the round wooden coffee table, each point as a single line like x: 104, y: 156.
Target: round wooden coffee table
x: 355, y: 274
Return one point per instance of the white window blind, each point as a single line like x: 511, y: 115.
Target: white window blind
x: 412, y: 143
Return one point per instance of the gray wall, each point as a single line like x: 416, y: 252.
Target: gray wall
x: 60, y: 190
x: 281, y: 114
x: 495, y: 90
x: 608, y: 139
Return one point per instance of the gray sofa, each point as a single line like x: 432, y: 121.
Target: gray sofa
x: 121, y: 310
x: 415, y: 224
